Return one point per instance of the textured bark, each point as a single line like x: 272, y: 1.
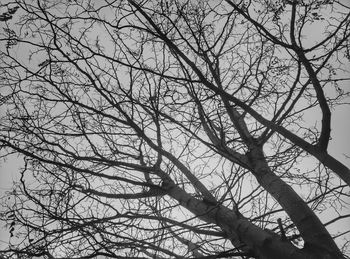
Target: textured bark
x: 242, y: 233
x: 315, y: 235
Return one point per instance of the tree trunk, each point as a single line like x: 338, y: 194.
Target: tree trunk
x: 250, y: 238
x: 315, y: 235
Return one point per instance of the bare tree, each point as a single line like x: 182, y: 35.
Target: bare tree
x: 174, y: 129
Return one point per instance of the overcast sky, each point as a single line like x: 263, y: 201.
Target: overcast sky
x: 339, y: 147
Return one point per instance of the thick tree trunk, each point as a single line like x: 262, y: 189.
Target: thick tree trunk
x: 242, y: 233
x: 315, y: 235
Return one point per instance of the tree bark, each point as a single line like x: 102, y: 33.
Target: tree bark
x: 315, y: 235
x: 243, y: 234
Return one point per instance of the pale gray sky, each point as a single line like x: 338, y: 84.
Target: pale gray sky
x: 339, y: 147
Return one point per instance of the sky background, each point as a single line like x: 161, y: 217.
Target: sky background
x: 339, y: 148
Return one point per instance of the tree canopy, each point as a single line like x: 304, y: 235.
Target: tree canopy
x: 174, y: 128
